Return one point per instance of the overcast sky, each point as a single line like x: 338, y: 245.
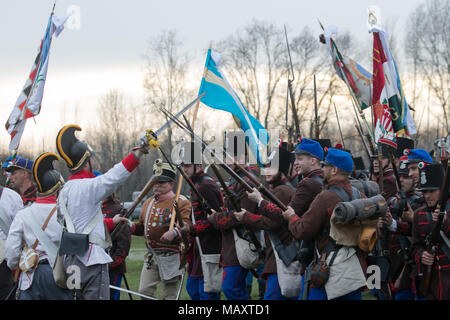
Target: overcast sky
x: 107, y: 50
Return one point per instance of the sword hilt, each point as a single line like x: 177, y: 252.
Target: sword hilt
x: 152, y: 139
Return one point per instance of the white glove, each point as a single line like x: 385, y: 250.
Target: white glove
x: 254, y: 196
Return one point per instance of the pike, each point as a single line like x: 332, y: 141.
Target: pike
x: 316, y: 116
x: 291, y: 91
x: 339, y: 125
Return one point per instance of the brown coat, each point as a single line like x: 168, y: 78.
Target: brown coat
x: 273, y: 223
x: 159, y: 220
x: 440, y: 274
x: 307, y: 189
x: 314, y: 224
x: 225, y: 221
x: 210, y: 238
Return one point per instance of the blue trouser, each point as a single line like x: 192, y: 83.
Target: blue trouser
x: 115, y: 280
x: 234, y: 283
x: 195, y: 289
x: 321, y: 294
x: 273, y: 291
x: 44, y: 287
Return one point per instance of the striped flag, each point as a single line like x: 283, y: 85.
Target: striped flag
x: 220, y: 95
x: 352, y: 73
x: 28, y: 104
x: 384, y: 100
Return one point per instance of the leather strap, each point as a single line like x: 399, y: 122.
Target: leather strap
x: 44, y: 226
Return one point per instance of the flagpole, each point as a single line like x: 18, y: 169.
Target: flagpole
x: 194, y: 119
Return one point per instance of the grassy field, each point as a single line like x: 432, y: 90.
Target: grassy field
x: 135, y: 262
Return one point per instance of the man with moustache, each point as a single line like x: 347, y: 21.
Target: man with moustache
x: 21, y: 179
x: 162, y: 260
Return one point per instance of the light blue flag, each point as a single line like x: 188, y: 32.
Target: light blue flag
x: 220, y: 95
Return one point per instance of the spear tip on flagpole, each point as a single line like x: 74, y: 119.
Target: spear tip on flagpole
x: 321, y: 25
x: 54, y: 5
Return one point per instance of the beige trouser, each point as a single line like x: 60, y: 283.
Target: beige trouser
x: 150, y: 278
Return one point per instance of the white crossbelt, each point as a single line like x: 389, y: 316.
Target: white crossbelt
x: 50, y: 248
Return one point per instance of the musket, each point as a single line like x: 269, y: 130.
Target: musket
x: 433, y: 237
x: 339, y: 125
x: 202, y: 201
x: 382, y: 241
x: 291, y: 91
x: 148, y: 186
x: 236, y: 208
x: 404, y: 242
x: 316, y: 116
x: 231, y: 172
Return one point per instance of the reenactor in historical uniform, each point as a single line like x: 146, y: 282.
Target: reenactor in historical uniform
x: 201, y: 231
x: 21, y: 180
x: 38, y: 283
x: 390, y: 188
x: 398, y: 221
x: 162, y: 260
x: 10, y: 203
x: 425, y: 218
x: 414, y: 156
x: 121, y: 243
x: 308, y: 155
x: 275, y: 226
x: 314, y: 224
x: 234, y: 275
x: 79, y: 205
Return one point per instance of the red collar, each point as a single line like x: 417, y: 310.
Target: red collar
x: 82, y: 174
x: 49, y: 199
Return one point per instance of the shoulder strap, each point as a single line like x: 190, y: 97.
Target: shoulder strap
x: 44, y: 226
x: 318, y: 179
x: 50, y: 248
x: 1, y: 191
x: 341, y: 193
x: 62, y: 204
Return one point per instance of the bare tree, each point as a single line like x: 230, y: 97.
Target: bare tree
x: 166, y: 76
x: 255, y: 63
x: 309, y: 59
x: 429, y: 27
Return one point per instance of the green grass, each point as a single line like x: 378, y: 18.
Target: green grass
x: 135, y: 262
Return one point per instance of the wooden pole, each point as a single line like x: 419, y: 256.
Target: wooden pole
x: 180, y: 180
